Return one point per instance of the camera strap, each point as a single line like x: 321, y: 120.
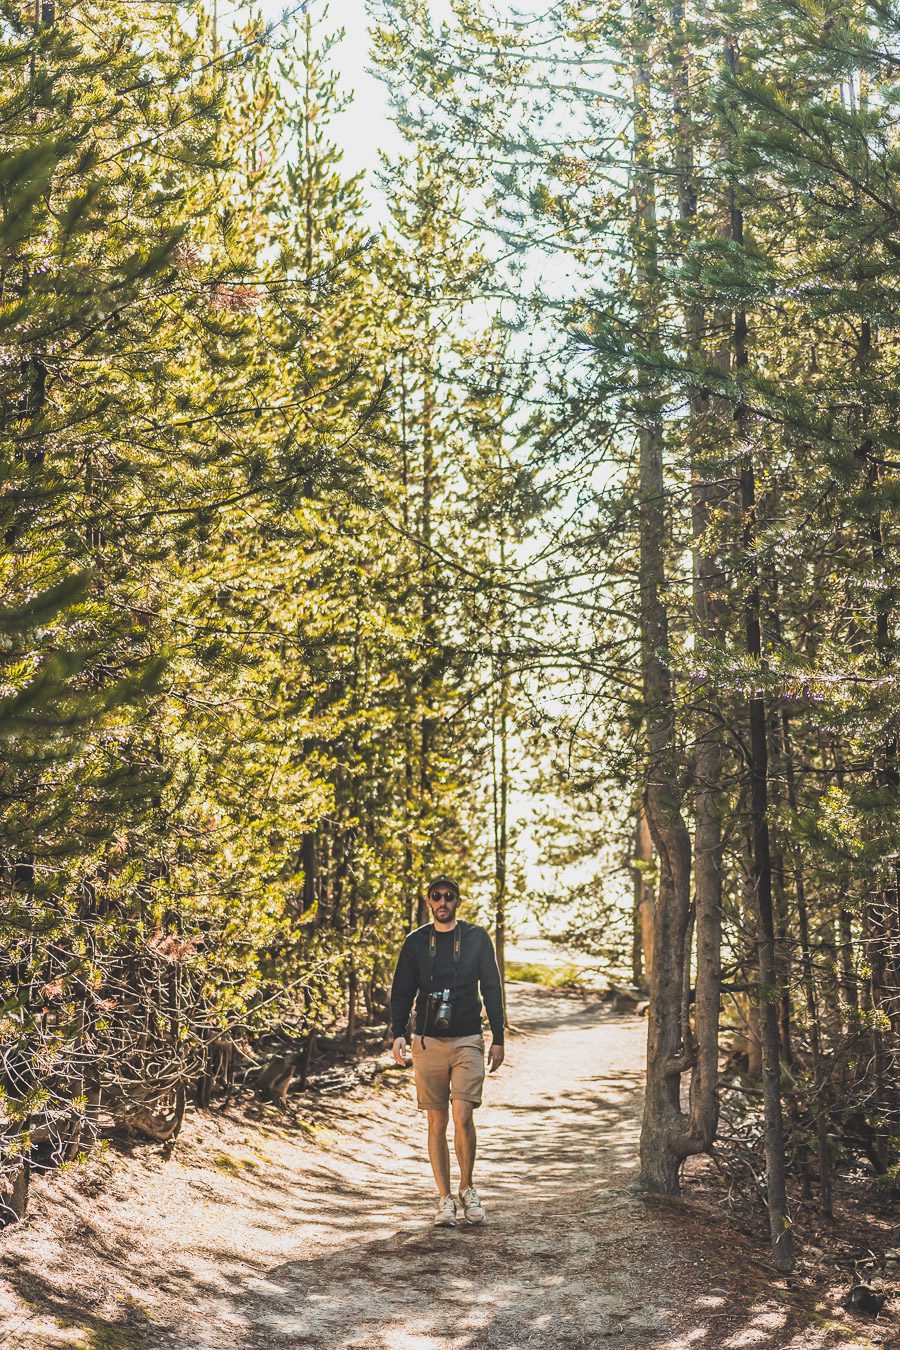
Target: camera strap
x: 432, y: 951
x: 432, y: 945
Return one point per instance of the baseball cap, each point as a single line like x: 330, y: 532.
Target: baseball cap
x: 442, y: 880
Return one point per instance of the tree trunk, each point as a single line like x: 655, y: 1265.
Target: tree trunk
x: 776, y: 1184
x: 707, y: 499
x: 881, y: 905
x: 644, y: 903
x: 820, y: 1103
x: 412, y: 883
x: 500, y: 773
x: 663, y: 1133
x: 849, y: 992
x: 782, y: 917
x: 429, y: 618
x: 779, y: 1218
x: 500, y: 754
x: 309, y: 858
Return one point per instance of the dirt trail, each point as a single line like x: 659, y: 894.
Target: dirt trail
x: 259, y: 1238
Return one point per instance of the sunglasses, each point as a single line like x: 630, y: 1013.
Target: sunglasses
x: 442, y: 895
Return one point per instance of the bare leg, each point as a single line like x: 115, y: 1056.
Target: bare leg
x: 464, y: 1141
x: 438, y: 1151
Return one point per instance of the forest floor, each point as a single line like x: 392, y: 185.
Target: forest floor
x: 260, y: 1235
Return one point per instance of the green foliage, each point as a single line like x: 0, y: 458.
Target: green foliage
x: 692, y: 217
x: 228, y: 661
x: 552, y: 977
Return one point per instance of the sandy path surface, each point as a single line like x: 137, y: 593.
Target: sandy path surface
x: 258, y: 1237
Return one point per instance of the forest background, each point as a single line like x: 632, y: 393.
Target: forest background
x: 573, y: 473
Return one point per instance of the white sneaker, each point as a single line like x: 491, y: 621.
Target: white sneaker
x: 446, y: 1213
x: 473, y: 1209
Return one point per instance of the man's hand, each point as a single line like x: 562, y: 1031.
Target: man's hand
x: 495, y: 1057
x: 399, y: 1051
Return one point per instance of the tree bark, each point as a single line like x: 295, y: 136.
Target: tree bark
x: 644, y: 903
x: 309, y: 859
x: 500, y: 768
x: 412, y: 884
x: 780, y: 1229
x: 809, y: 986
x: 429, y: 618
x: 776, y: 1182
x: 708, y: 497
x: 663, y: 1133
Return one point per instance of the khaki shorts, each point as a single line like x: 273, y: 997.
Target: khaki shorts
x: 445, y: 1067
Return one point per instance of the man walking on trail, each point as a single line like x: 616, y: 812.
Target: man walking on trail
x: 441, y: 965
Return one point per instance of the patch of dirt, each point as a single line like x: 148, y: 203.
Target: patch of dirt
x: 264, y: 1236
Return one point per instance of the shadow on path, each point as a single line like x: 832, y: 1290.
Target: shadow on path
x: 336, y: 1250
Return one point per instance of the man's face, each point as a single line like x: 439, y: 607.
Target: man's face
x: 443, y: 902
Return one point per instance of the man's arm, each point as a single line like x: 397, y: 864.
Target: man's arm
x: 491, y: 988
x: 403, y: 990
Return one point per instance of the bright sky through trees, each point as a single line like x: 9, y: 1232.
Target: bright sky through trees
x: 365, y: 127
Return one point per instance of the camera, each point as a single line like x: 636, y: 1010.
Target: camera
x: 443, y: 1009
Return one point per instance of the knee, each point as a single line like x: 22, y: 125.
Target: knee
x: 438, y: 1121
x: 462, y: 1115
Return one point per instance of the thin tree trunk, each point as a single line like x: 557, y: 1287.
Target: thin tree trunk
x: 782, y: 955
x: 309, y: 859
x: 644, y: 902
x: 500, y: 763
x: 779, y: 1218
x: 820, y: 1099
x: 412, y: 886
x: 849, y: 991
x: 429, y: 635
x: 663, y: 1133
x: 707, y: 496
x: 776, y: 1182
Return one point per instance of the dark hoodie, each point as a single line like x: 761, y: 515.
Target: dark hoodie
x: 477, y: 965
